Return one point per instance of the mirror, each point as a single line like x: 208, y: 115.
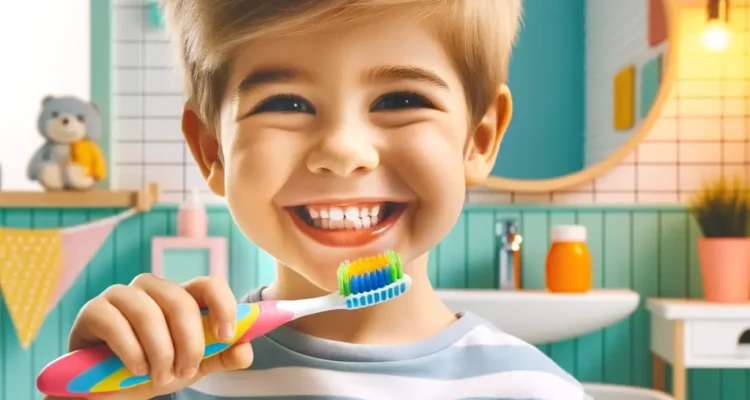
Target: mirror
x: 588, y: 80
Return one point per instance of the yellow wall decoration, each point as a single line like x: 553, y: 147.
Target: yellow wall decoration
x: 30, y: 268
x: 37, y: 267
x: 624, y: 98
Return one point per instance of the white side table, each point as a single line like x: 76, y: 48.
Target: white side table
x: 697, y: 334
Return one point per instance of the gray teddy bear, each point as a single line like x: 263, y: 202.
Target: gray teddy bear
x: 70, y: 158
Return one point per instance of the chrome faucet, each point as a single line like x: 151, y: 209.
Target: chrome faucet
x: 509, y: 255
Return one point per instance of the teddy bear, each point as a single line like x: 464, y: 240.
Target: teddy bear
x: 70, y: 158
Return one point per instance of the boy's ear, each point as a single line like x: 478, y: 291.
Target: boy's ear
x: 483, y: 146
x: 205, y: 147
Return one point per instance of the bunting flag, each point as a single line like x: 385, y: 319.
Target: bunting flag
x: 38, y: 266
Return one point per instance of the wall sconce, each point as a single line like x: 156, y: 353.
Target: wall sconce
x: 716, y: 36
x: 155, y: 15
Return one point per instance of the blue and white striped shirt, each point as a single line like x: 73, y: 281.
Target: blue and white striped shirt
x: 470, y: 359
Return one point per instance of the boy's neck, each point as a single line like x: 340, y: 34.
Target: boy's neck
x: 416, y: 315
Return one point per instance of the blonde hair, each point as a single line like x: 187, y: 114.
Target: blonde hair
x: 478, y: 35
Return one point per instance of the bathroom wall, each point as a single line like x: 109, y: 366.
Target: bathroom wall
x: 549, y: 54
x: 702, y: 131
x: 617, y: 39
x: 649, y: 249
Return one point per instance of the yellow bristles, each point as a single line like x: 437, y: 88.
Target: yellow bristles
x: 366, y: 264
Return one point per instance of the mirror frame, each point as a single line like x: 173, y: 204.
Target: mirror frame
x: 671, y: 14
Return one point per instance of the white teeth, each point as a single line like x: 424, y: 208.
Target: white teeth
x: 337, y: 214
x: 353, y: 217
x: 351, y: 213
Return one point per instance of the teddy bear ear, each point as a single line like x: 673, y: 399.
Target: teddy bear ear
x: 46, y: 99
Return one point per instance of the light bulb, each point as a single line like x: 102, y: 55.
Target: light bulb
x: 716, y: 36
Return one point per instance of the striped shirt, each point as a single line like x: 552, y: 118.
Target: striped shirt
x: 470, y: 359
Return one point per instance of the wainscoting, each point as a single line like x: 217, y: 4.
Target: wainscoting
x: 648, y: 249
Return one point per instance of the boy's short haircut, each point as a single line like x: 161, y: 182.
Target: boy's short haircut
x: 477, y: 34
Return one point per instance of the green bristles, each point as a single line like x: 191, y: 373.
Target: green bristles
x: 344, y: 288
x: 397, y: 269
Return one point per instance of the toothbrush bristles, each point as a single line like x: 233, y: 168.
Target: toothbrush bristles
x: 370, y: 273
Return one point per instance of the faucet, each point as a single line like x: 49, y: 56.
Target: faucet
x: 509, y: 255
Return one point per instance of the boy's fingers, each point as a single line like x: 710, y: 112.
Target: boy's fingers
x: 115, y: 331
x: 150, y: 326
x: 184, y: 320
x: 216, y: 294
x: 234, y: 358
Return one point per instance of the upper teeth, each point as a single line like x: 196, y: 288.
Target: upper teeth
x: 345, y: 217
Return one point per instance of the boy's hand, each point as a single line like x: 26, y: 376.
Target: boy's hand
x: 155, y: 327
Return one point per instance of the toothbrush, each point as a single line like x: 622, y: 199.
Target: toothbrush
x: 362, y: 283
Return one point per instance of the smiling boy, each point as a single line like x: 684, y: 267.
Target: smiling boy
x: 335, y: 129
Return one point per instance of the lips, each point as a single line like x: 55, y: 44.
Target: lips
x: 349, y: 224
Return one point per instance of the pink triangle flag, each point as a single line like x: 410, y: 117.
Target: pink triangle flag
x: 79, y: 245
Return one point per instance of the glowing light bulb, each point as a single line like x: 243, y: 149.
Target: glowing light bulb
x: 716, y: 36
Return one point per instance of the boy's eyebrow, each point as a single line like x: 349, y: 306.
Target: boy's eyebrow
x: 267, y: 75
x: 397, y: 73
x: 264, y: 76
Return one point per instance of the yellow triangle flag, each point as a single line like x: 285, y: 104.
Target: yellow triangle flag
x: 30, y: 268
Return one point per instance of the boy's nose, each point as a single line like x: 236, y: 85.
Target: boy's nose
x: 343, y: 153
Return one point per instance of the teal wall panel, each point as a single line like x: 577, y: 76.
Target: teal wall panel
x: 650, y: 250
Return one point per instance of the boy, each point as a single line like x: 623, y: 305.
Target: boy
x: 335, y: 129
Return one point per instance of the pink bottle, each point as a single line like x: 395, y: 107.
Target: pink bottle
x: 192, y: 219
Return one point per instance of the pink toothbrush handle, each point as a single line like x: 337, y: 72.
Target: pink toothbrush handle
x: 97, y: 370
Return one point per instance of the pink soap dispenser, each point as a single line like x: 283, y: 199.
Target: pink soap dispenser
x: 192, y: 219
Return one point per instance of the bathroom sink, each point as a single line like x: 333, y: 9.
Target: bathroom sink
x: 540, y: 317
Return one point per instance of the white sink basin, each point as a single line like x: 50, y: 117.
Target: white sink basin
x: 540, y: 317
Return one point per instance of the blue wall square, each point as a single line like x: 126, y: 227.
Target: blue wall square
x: 182, y: 265
x: 650, y: 81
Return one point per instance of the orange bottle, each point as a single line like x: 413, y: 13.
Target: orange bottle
x: 568, y: 268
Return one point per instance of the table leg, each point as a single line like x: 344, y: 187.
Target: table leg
x: 659, y: 373
x: 679, y: 373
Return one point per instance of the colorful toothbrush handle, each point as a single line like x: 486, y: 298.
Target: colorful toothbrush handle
x: 98, y: 370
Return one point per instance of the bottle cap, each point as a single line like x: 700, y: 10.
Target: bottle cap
x: 568, y: 233
x: 193, y: 199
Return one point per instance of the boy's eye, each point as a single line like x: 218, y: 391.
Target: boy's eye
x: 396, y: 101
x: 284, y: 104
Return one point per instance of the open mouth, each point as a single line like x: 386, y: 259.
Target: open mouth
x: 342, y: 225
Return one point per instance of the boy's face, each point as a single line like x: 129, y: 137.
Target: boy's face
x: 343, y: 144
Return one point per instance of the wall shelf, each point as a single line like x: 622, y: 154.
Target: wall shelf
x: 142, y: 199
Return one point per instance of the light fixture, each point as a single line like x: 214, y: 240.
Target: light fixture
x: 716, y: 36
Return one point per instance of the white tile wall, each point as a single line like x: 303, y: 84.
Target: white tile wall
x: 617, y: 36
x: 703, y: 129
x: 148, y: 99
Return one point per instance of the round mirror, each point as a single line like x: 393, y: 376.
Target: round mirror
x: 588, y: 79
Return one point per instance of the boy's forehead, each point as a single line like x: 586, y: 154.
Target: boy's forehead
x: 380, y: 50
